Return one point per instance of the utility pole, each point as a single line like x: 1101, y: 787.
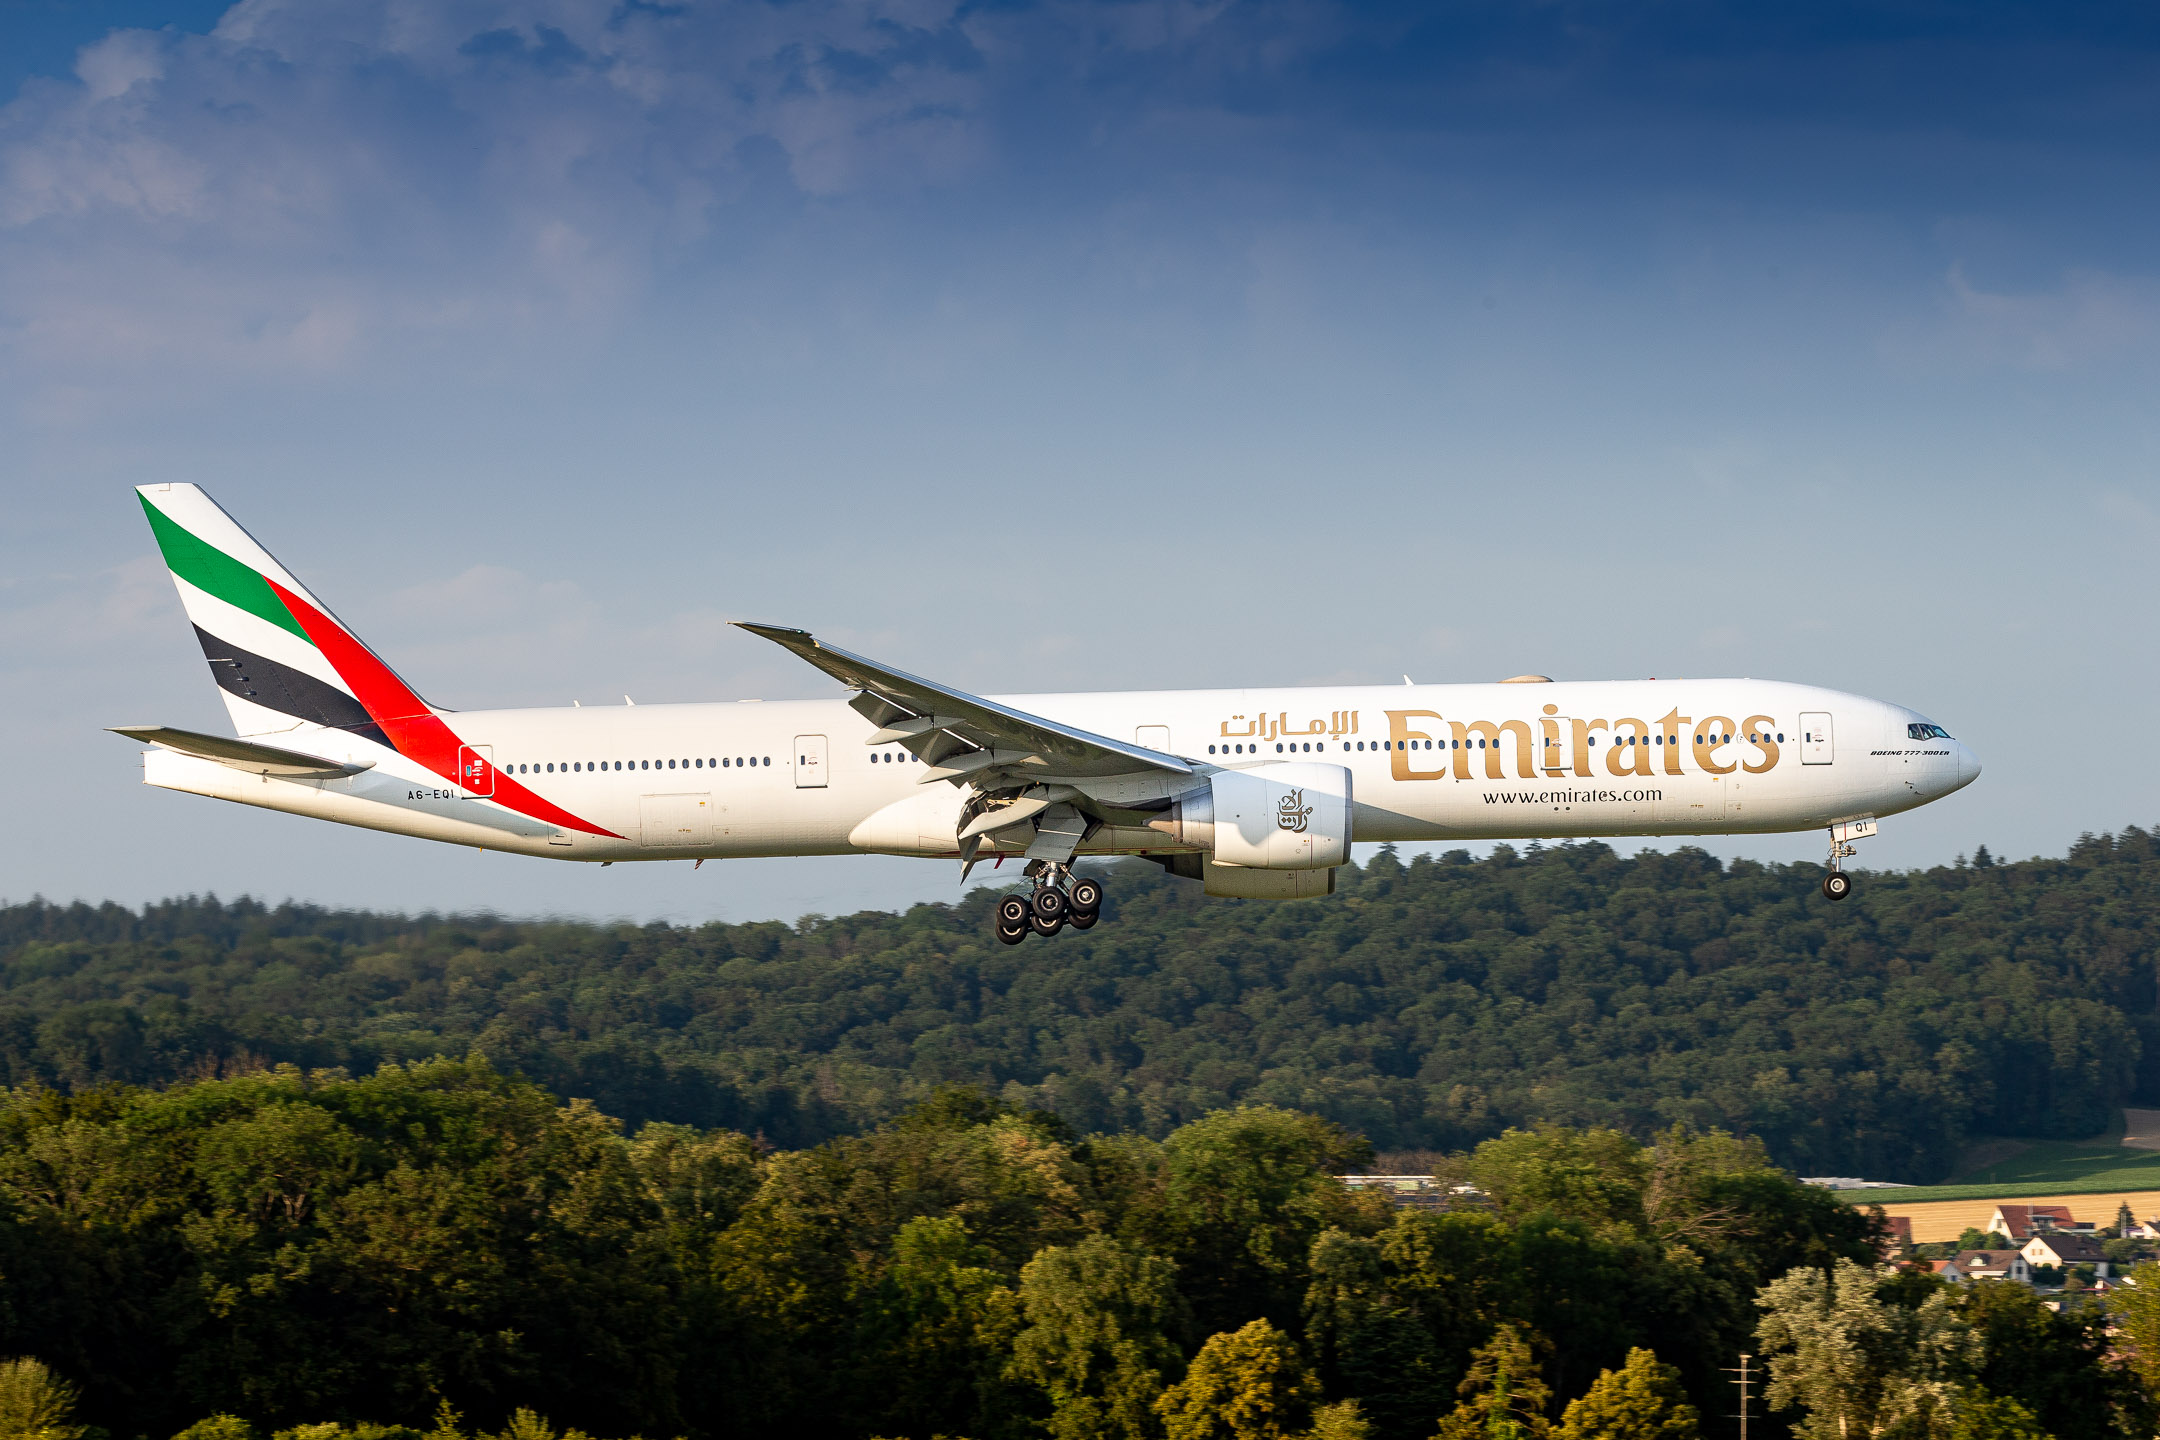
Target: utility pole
x: 1745, y: 1375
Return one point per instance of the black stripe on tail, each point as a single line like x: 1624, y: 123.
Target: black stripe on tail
x: 286, y: 690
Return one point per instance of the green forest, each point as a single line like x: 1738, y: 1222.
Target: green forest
x: 1428, y: 1006
x: 439, y: 1249
x: 296, y: 1174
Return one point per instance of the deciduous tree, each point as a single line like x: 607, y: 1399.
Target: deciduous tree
x: 1095, y: 1340
x: 1857, y: 1366
x: 1642, y: 1400
x: 1247, y: 1385
x: 1503, y: 1396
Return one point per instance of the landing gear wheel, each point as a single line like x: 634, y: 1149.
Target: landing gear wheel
x: 1012, y: 936
x: 1012, y: 914
x: 1051, y: 904
x: 1836, y: 885
x: 1086, y: 903
x: 1046, y: 928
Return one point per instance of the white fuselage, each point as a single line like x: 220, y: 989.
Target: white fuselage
x: 1428, y: 763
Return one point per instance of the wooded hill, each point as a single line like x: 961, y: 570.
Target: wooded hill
x: 1428, y: 1005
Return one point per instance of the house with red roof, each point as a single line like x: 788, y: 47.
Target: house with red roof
x: 2019, y: 1222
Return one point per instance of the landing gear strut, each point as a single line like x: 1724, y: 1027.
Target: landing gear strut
x: 1837, y: 884
x: 1059, y: 900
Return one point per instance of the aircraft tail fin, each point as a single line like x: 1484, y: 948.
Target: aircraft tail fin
x: 279, y: 657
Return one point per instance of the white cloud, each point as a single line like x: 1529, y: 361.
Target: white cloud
x: 310, y: 178
x: 316, y: 180
x: 59, y: 618
x: 2090, y: 315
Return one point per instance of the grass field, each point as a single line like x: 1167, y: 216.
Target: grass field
x: 2048, y: 1167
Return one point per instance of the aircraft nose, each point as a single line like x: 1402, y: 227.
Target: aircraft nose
x: 1965, y: 766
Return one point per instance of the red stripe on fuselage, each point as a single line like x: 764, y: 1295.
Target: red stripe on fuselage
x: 417, y: 732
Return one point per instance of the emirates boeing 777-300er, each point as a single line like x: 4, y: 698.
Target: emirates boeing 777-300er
x: 1256, y: 793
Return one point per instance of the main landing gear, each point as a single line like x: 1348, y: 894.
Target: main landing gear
x: 1059, y: 900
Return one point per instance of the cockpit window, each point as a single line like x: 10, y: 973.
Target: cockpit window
x: 1926, y: 732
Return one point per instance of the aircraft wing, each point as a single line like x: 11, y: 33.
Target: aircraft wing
x: 246, y: 755
x: 1028, y: 778
x: 959, y: 734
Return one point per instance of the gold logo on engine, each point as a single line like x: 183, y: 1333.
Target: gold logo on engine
x: 1291, y: 812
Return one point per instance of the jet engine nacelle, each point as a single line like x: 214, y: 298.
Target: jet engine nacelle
x: 1293, y: 816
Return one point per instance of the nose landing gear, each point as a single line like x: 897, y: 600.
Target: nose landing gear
x: 1837, y: 884
x: 1059, y: 900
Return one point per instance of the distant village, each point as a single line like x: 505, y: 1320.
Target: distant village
x: 2043, y: 1247
x: 2037, y: 1245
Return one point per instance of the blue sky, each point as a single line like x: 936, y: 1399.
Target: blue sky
x: 1046, y: 346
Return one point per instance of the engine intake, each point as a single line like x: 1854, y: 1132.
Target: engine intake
x: 1292, y: 816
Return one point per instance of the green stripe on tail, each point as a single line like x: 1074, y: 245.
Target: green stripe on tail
x: 211, y: 570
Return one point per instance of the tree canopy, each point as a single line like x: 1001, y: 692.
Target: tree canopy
x: 318, y: 1256
x: 1428, y: 1005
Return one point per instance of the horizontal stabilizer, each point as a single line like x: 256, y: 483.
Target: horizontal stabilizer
x: 248, y: 755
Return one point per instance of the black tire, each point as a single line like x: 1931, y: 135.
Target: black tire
x: 1012, y: 913
x: 1046, y: 928
x: 1086, y: 896
x: 1084, y: 919
x: 1836, y: 885
x: 1012, y: 935
x: 1051, y: 904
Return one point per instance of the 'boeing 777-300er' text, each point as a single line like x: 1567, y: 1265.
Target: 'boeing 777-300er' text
x: 1255, y: 793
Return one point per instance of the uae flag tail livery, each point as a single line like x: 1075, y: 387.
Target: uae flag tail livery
x: 274, y: 649
x: 315, y: 702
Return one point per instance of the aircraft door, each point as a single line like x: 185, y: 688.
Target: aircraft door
x: 684, y: 820
x: 1154, y: 737
x: 476, y: 769
x: 1556, y: 740
x: 1815, y: 737
x: 810, y: 762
